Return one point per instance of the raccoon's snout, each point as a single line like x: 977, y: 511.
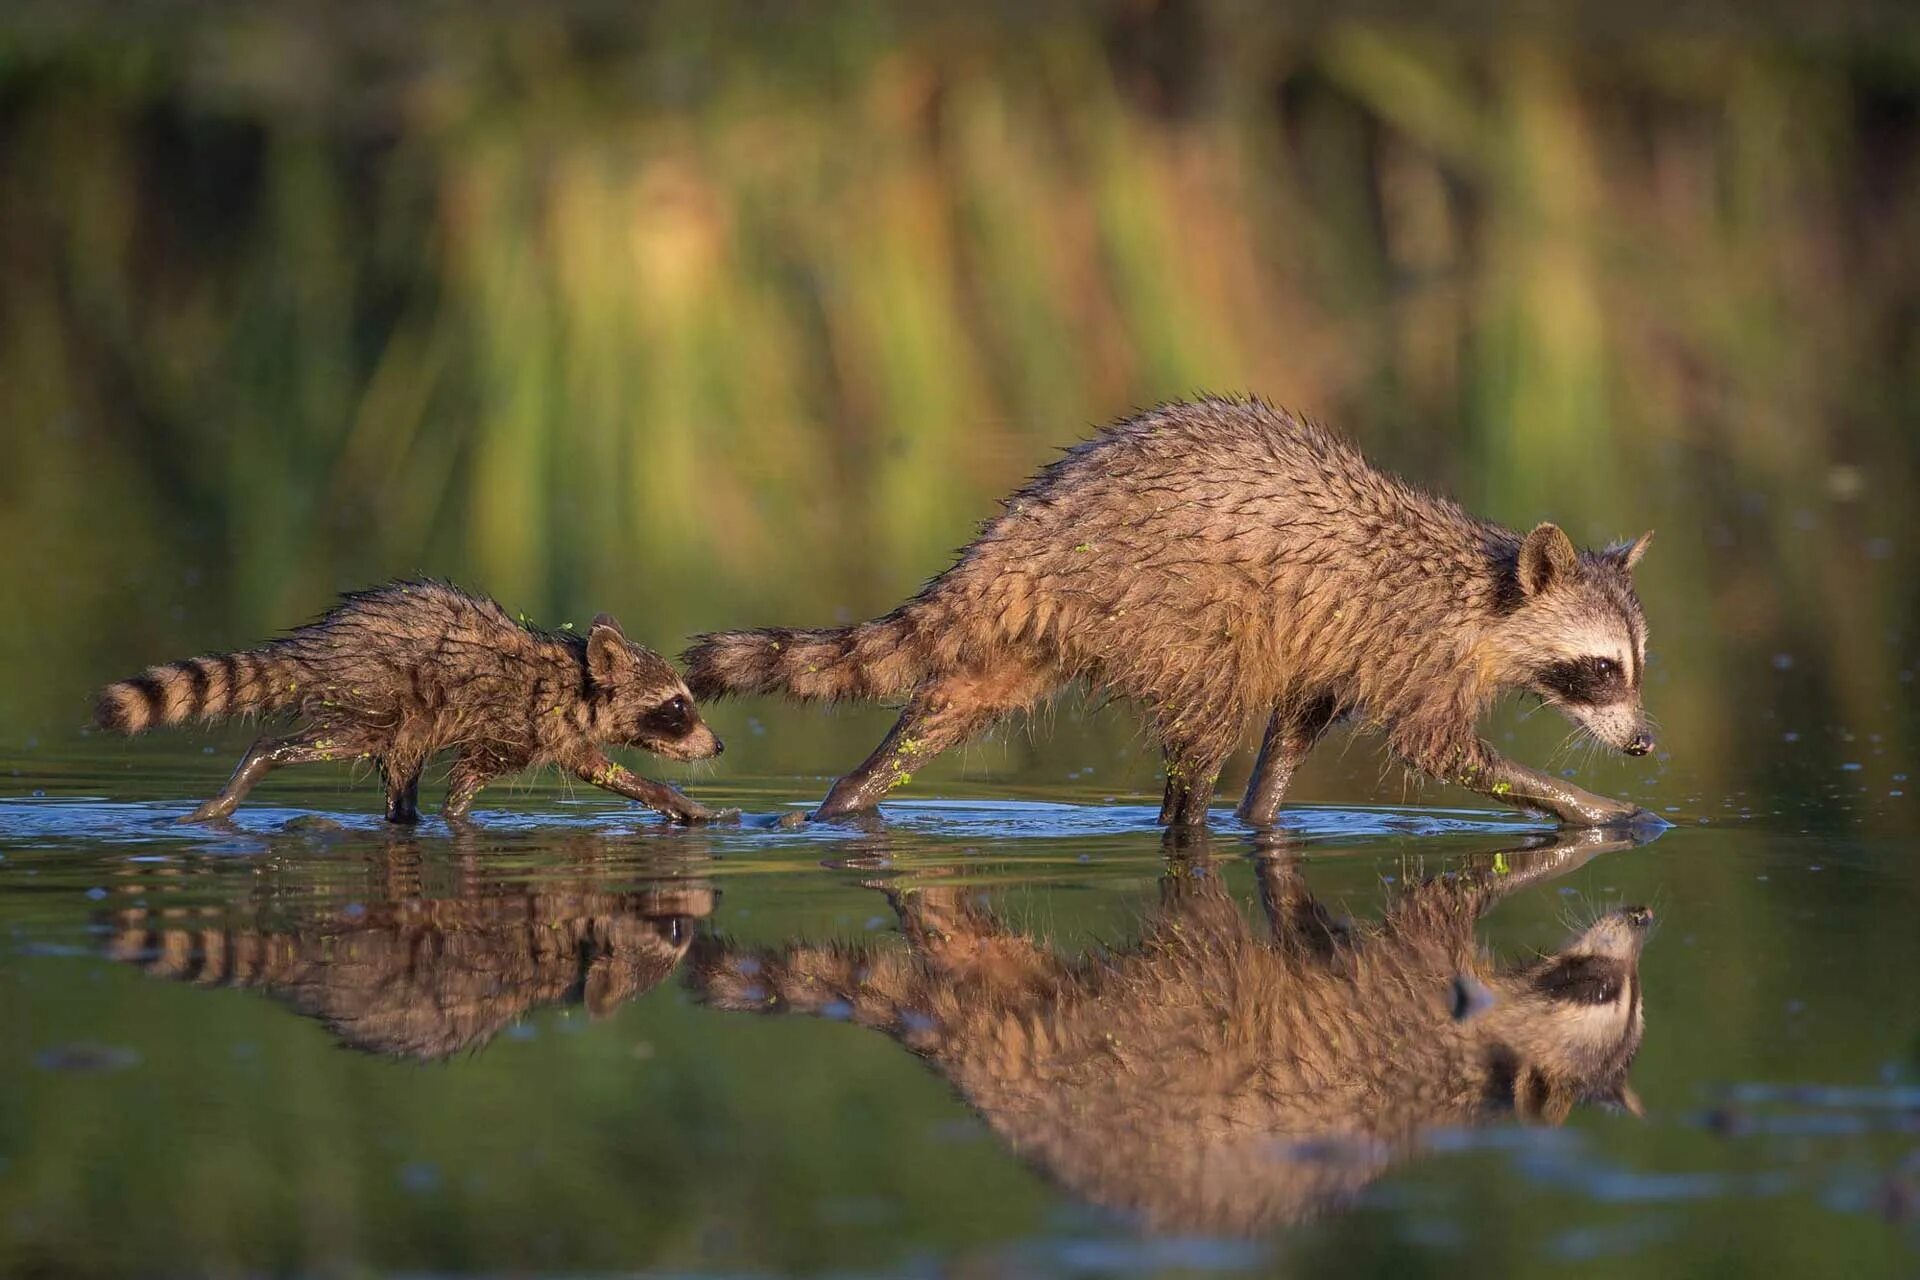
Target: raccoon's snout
x: 1640, y: 917
x: 703, y: 744
x: 1639, y: 744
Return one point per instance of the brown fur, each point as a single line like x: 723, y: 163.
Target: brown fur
x: 407, y: 670
x: 1221, y: 564
x: 1212, y: 1078
x: 422, y: 975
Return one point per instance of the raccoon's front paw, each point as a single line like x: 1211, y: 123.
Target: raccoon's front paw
x: 1614, y: 816
x: 1644, y: 823
x: 691, y: 813
x: 1594, y: 811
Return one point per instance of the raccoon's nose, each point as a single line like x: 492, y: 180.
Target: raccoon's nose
x: 719, y: 747
x: 1638, y: 917
x: 1639, y: 744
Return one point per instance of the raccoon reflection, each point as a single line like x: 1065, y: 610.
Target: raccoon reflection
x: 1212, y: 1077
x: 425, y: 978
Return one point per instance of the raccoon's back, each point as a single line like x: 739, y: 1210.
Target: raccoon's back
x: 1220, y: 535
x: 420, y: 648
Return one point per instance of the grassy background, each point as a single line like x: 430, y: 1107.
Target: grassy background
x: 716, y: 315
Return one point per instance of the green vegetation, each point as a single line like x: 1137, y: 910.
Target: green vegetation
x: 712, y: 317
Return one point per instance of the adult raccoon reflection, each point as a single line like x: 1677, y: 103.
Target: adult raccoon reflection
x: 1213, y: 1079
x: 410, y: 669
x: 1222, y: 563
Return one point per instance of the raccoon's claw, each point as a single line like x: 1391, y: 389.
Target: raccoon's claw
x: 693, y: 814
x: 1636, y: 822
x: 1644, y: 823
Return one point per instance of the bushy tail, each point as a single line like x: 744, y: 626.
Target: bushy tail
x: 207, y: 688
x: 798, y: 978
x: 874, y: 989
x: 872, y: 660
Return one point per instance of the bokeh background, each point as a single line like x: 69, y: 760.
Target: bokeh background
x: 733, y: 313
x: 744, y: 314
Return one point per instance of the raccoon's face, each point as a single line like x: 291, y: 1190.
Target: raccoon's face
x: 631, y: 955
x: 1566, y: 1030
x: 1579, y: 638
x: 641, y: 701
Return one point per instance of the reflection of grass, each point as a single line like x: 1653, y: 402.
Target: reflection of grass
x: 764, y: 351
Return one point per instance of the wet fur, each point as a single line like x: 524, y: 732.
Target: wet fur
x: 424, y: 977
x: 1211, y: 1077
x: 1221, y: 564
x: 410, y: 669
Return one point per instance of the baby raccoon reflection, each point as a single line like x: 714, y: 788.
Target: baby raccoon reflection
x: 428, y: 977
x: 1216, y: 1079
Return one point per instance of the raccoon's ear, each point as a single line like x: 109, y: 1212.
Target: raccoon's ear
x: 1629, y: 553
x: 1628, y: 1101
x: 603, y: 994
x: 1546, y: 557
x: 608, y: 657
x: 1538, y: 1100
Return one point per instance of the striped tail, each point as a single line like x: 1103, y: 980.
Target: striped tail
x: 208, y: 688
x: 872, y: 660
x: 847, y: 983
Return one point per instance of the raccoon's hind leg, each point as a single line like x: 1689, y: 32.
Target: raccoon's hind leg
x: 942, y: 713
x: 468, y: 775
x: 1290, y: 735
x: 403, y: 789
x: 266, y: 755
x: 1193, y: 770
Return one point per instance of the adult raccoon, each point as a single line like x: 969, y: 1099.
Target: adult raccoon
x: 1222, y: 563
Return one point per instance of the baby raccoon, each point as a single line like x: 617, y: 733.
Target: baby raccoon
x: 404, y: 671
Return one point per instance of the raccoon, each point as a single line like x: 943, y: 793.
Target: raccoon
x: 1214, y: 1078
x: 426, y: 977
x: 1221, y: 563
x: 404, y: 671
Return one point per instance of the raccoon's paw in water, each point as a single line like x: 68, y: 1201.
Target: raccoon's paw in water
x: 1642, y: 822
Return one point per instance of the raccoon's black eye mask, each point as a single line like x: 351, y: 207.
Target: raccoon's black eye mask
x: 1588, y: 680
x: 671, y: 719
x: 1582, y: 980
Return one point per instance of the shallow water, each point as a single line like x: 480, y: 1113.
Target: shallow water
x: 309, y: 1042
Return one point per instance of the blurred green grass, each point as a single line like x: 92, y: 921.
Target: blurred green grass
x: 718, y: 315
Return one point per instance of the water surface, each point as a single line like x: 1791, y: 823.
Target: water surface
x: 310, y: 1042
